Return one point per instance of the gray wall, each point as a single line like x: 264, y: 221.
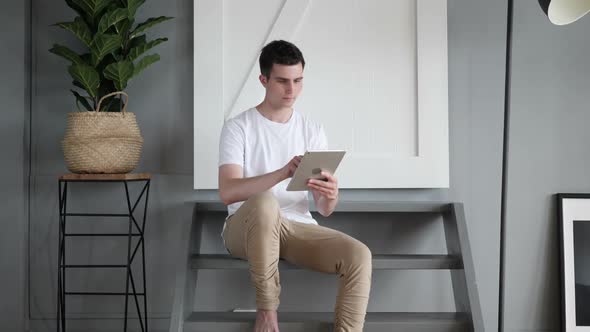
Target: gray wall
x: 162, y: 100
x: 13, y: 197
x: 548, y: 154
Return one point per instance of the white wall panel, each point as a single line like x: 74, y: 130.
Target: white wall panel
x: 375, y: 76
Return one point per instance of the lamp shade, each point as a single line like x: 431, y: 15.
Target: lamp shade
x: 562, y: 12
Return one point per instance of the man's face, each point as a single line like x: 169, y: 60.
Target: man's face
x: 284, y: 84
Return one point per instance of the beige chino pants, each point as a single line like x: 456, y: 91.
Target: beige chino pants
x: 259, y: 234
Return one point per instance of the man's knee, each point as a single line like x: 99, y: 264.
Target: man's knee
x: 359, y: 256
x: 265, y: 209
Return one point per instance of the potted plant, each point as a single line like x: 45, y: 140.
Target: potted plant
x: 103, y: 137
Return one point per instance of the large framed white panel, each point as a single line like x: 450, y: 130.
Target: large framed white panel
x: 375, y: 77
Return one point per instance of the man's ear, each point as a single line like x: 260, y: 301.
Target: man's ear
x: 263, y: 80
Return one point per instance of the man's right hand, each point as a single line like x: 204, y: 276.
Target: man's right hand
x: 289, y: 169
x: 233, y: 187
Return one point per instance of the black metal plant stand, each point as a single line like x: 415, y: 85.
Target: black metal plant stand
x: 138, y: 232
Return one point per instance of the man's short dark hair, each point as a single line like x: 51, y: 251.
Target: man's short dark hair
x: 280, y: 52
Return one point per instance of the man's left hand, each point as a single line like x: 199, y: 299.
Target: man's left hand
x: 327, y: 188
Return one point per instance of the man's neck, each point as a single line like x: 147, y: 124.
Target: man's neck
x: 280, y: 115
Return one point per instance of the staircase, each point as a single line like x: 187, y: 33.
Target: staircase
x: 458, y: 261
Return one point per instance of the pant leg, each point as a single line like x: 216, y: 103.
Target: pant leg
x: 326, y: 250
x: 253, y: 234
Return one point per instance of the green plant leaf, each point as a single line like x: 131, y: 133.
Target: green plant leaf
x: 92, y: 7
x: 86, y: 57
x: 106, y: 87
x: 107, y: 60
x: 78, y: 84
x: 145, y: 62
x: 67, y: 54
x: 124, y: 26
x: 102, y: 45
x: 139, y: 40
x: 111, y: 18
x: 77, y: 8
x: 87, y: 77
x: 119, y: 73
x: 135, y: 52
x: 133, y: 5
x: 148, y: 24
x: 79, y: 29
x: 83, y: 101
x: 87, y: 18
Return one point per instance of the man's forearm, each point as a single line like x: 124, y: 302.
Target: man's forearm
x: 326, y: 206
x: 238, y: 190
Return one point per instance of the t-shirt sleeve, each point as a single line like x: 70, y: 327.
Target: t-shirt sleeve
x: 231, y: 144
x: 320, y: 141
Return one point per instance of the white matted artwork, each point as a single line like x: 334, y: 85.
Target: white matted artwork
x: 375, y: 77
x: 574, y: 229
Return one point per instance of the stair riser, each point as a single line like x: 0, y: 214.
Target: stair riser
x: 243, y: 327
x: 317, y: 327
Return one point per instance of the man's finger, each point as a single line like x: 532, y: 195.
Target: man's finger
x: 322, y: 190
x: 327, y: 175
x: 322, y: 184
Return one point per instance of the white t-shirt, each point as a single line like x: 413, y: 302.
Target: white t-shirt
x: 262, y: 146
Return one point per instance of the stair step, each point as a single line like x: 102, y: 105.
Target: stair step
x: 380, y: 262
x: 355, y: 206
x: 322, y: 321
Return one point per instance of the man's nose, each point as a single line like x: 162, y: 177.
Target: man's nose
x: 289, y: 88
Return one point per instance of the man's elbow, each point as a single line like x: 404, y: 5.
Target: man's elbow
x: 225, y: 197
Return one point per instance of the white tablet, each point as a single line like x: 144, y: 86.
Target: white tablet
x: 312, y: 163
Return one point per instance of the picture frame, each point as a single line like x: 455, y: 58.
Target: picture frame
x: 573, y: 215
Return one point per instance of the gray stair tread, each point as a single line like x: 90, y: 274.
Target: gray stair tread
x: 380, y: 262
x: 328, y: 317
x: 354, y: 206
x: 323, y: 321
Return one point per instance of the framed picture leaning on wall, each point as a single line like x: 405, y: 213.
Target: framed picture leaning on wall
x: 573, y: 214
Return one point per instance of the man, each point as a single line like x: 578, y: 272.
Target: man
x: 259, y: 151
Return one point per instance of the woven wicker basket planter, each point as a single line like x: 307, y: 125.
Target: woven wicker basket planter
x: 102, y: 142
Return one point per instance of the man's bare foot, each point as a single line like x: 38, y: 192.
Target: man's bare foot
x: 266, y: 321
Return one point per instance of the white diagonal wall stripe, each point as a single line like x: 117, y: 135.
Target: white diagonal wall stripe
x: 285, y: 26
